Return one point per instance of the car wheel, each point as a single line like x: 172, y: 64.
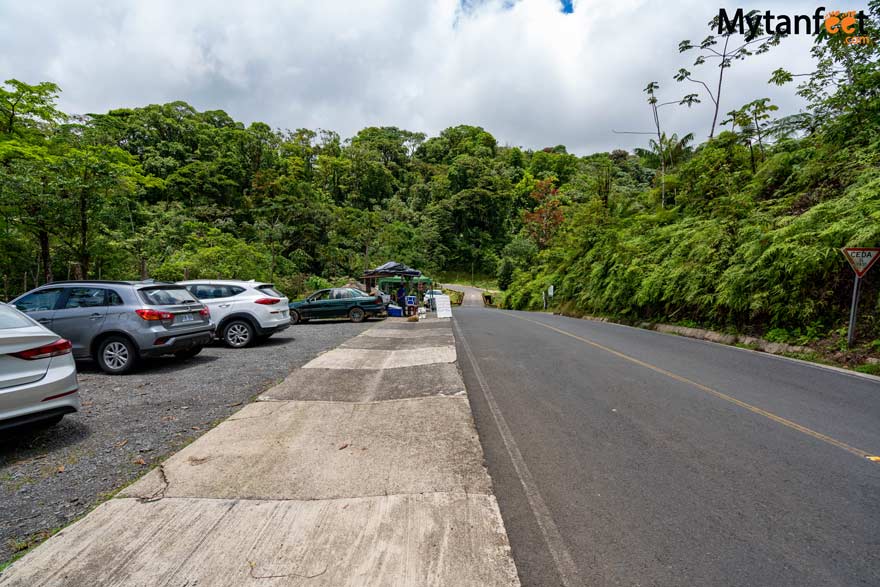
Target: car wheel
x: 238, y: 334
x: 356, y: 315
x: 294, y: 317
x: 189, y: 353
x: 117, y: 355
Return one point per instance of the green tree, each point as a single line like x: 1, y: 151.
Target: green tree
x: 25, y: 107
x: 725, y: 48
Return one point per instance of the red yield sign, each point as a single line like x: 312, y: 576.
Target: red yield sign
x: 861, y: 258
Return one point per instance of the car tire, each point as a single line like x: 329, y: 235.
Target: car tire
x: 117, y: 355
x: 356, y: 315
x: 238, y: 334
x: 295, y: 317
x: 189, y: 353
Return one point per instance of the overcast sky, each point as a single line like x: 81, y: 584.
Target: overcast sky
x: 534, y: 73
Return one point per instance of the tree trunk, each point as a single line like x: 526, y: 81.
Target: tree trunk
x: 758, y: 133
x: 45, y: 255
x: 718, y: 89
x: 83, y: 235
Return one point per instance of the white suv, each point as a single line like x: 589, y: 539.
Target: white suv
x: 244, y: 311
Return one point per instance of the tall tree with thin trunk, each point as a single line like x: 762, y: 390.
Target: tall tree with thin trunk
x: 724, y: 48
x: 688, y: 100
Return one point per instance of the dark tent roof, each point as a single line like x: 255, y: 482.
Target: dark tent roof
x: 392, y: 268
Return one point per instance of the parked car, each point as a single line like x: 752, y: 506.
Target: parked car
x: 429, y: 299
x: 37, y: 373
x: 339, y: 302
x: 244, y: 311
x: 119, y: 322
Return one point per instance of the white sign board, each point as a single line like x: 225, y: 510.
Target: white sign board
x: 444, y: 307
x: 861, y: 258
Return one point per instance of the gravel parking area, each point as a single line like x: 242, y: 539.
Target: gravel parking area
x: 49, y: 477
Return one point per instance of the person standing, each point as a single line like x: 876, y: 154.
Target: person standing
x: 401, y: 297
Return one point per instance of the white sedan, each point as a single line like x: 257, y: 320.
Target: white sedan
x: 37, y: 373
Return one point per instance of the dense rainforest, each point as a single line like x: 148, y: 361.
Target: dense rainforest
x: 742, y: 231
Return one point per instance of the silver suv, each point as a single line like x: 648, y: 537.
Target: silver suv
x: 244, y: 311
x: 119, y: 322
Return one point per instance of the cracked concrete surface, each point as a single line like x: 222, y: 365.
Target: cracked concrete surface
x: 321, y: 450
x: 362, y: 468
x: 430, y: 539
x: 359, y: 385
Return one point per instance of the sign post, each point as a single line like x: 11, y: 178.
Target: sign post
x: 861, y: 259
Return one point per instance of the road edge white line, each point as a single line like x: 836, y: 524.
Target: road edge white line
x: 565, y: 565
x: 822, y: 366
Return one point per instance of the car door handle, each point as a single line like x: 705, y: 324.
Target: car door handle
x: 44, y: 320
x: 224, y: 305
x: 94, y: 316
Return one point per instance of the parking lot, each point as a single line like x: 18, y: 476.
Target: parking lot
x: 49, y: 477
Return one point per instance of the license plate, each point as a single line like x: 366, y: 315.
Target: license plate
x: 186, y: 317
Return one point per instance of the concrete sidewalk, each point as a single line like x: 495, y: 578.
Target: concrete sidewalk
x: 361, y: 468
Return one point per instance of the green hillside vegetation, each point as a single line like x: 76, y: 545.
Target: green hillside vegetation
x: 740, y: 232
x: 754, y: 219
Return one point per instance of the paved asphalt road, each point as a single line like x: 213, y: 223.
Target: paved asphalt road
x: 628, y: 457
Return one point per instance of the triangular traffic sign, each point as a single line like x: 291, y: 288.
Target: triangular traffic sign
x: 861, y: 258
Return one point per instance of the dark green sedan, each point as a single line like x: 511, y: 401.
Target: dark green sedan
x: 339, y: 302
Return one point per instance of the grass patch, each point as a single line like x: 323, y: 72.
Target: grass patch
x: 482, y: 281
x: 21, y: 546
x: 869, y: 368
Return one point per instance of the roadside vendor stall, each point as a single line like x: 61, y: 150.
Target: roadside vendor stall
x: 391, y: 276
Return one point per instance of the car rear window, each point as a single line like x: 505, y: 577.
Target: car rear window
x: 9, y: 318
x: 270, y: 290
x: 208, y: 291
x: 166, y: 296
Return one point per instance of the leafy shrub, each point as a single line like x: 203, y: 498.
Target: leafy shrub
x: 316, y: 282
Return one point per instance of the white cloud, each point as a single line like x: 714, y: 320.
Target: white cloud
x: 525, y: 71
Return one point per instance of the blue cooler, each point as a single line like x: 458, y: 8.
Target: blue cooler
x: 395, y: 311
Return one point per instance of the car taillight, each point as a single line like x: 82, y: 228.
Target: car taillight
x: 205, y: 312
x: 378, y: 299
x: 267, y: 301
x: 54, y: 349
x: 151, y: 315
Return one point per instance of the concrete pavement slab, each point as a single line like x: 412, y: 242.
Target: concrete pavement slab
x: 377, y: 359
x: 430, y: 539
x: 439, y: 323
x: 327, y: 450
x: 366, y: 385
x: 398, y: 344
x: 402, y: 333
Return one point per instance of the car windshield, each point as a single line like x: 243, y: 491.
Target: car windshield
x: 9, y: 318
x: 166, y: 296
x: 359, y: 293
